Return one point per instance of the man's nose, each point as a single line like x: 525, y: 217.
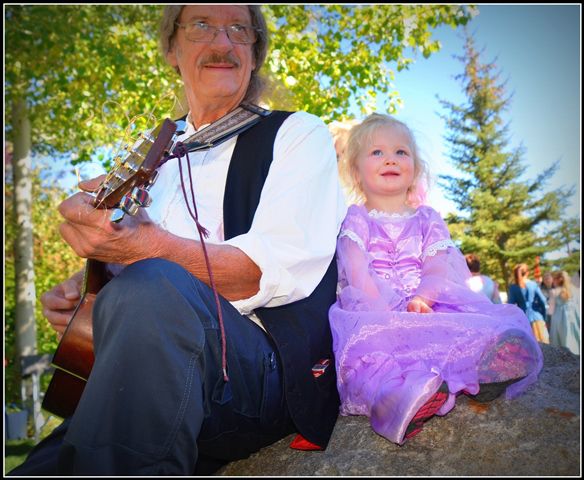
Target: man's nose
x: 221, y: 38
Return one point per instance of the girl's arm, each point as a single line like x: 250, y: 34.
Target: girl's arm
x: 354, y: 267
x: 444, y: 271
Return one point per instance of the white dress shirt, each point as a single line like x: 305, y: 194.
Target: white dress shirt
x: 293, y: 235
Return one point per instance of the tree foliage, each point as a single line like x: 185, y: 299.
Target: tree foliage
x: 328, y: 57
x: 86, y: 71
x: 502, y: 215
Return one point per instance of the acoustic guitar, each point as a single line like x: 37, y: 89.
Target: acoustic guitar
x: 125, y: 189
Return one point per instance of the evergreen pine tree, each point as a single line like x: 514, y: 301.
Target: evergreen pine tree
x: 502, y: 217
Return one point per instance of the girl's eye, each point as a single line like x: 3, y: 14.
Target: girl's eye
x: 401, y: 151
x: 377, y: 153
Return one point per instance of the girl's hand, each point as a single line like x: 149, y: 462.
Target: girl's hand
x: 419, y: 305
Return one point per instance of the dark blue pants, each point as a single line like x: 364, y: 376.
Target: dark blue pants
x: 156, y: 402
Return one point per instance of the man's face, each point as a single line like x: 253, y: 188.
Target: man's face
x: 218, y: 71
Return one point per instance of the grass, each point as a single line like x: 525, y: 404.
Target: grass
x: 15, y: 451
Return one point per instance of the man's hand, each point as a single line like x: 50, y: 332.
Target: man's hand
x: 419, y: 305
x: 91, y: 233
x: 60, y: 302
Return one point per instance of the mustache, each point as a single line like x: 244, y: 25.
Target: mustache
x: 220, y: 58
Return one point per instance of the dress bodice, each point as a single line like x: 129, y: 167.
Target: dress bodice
x: 395, y: 245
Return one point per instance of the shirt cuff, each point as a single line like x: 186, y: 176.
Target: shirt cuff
x: 260, y: 252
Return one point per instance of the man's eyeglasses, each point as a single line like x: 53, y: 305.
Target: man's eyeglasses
x: 203, y: 32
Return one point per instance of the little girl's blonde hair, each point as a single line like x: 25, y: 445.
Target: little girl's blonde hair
x: 563, y: 282
x: 359, y: 136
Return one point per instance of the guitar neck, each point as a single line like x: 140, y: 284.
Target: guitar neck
x: 96, y: 276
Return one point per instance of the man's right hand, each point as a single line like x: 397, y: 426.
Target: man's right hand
x: 60, y: 302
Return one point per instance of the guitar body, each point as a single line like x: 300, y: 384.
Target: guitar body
x: 74, y: 357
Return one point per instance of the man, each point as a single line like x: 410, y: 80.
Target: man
x: 158, y: 401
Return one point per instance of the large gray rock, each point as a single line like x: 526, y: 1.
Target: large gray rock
x: 536, y: 434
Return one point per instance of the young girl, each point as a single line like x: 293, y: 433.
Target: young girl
x: 565, y: 307
x: 408, y: 334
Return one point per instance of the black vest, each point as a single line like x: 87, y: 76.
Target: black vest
x: 301, y: 329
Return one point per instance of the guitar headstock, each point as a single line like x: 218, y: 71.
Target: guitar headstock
x: 135, y: 167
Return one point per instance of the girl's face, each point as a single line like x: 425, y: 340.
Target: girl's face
x: 385, y: 164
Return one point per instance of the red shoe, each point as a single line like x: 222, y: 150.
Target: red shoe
x: 427, y: 411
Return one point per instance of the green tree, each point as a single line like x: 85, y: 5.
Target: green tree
x: 568, y: 233
x: 83, y: 73
x: 327, y: 58
x: 499, y: 212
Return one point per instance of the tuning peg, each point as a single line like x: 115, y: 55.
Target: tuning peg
x: 141, y: 197
x: 181, y: 127
x: 117, y: 215
x: 128, y: 205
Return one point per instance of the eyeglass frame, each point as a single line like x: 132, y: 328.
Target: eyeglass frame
x: 220, y: 29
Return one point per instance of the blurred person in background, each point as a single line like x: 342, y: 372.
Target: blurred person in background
x: 527, y: 295
x: 547, y: 287
x: 565, y: 308
x: 481, y: 283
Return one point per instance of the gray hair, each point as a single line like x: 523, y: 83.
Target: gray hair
x: 260, y: 49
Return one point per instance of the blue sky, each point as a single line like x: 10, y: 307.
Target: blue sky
x: 537, y: 50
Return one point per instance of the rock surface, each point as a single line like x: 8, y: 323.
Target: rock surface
x: 536, y: 434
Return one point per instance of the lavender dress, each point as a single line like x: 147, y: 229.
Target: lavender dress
x: 389, y: 361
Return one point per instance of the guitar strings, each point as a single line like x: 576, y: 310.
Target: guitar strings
x: 125, y: 149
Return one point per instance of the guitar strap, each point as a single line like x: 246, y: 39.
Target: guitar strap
x: 235, y: 122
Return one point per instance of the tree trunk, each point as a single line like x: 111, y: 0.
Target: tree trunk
x: 23, y: 247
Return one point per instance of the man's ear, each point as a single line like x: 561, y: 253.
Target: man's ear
x: 171, y: 56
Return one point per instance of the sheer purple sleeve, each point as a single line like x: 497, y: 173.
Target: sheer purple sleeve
x: 359, y: 286
x: 444, y: 269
